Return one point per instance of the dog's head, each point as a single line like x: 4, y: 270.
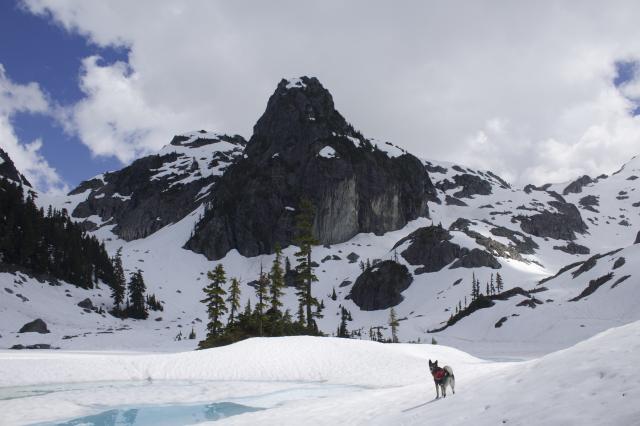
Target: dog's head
x: 433, y: 365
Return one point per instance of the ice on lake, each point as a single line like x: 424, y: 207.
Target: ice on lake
x: 163, y: 415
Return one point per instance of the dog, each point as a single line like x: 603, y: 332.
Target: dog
x: 443, y: 377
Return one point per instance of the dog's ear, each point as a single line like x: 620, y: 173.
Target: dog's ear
x: 430, y: 363
x: 435, y: 364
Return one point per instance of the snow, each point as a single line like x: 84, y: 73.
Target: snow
x: 309, y: 380
x: 295, y: 83
x: 327, y: 152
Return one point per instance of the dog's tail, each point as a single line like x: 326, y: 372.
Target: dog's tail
x: 449, y: 371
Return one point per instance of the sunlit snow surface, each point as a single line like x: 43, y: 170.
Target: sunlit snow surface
x: 329, y: 381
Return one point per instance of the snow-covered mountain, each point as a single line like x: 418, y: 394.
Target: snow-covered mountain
x: 427, y: 227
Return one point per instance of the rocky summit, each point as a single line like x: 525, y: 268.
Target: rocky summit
x: 302, y: 148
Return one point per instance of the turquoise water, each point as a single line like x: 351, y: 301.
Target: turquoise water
x: 170, y: 408
x: 161, y: 415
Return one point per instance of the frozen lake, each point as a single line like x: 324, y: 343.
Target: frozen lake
x: 158, y: 403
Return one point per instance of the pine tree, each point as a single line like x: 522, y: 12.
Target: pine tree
x: 342, y: 328
x: 261, y: 294
x: 276, y: 277
x: 214, y: 299
x: 394, y: 324
x: 119, y: 282
x: 305, y: 274
x: 234, y: 299
x: 137, y: 307
x: 192, y: 335
x: 487, y: 290
x: 334, y: 296
x: 499, y: 283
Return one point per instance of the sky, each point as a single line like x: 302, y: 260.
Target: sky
x: 534, y: 91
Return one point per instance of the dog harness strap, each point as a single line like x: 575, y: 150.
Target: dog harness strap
x: 439, y: 374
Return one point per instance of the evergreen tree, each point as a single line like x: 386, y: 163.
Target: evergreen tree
x: 261, y: 306
x: 119, y: 282
x: 305, y: 274
x: 214, y: 299
x: 276, y: 277
x: 499, y: 283
x: 137, y: 307
x: 334, y: 296
x: 342, y: 328
x: 234, y: 299
x: 394, y: 324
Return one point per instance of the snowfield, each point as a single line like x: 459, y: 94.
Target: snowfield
x: 309, y: 380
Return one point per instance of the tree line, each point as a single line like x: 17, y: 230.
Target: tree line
x: 228, y: 323
x: 49, y: 242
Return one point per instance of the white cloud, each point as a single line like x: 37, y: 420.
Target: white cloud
x: 28, y: 98
x: 535, y: 78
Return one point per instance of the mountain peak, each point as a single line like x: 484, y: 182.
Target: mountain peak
x: 8, y: 169
x: 301, y: 110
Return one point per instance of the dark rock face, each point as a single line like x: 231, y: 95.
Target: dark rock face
x: 577, y: 185
x: 477, y: 258
x: 589, y: 202
x: 524, y: 244
x: 86, y: 304
x: 36, y: 346
x: 452, y: 201
x: 379, y: 287
x: 35, y: 326
x: 637, y: 241
x: 573, y: 248
x: 560, y: 225
x: 303, y: 148
x: 593, y: 286
x: 8, y: 169
x: 157, y: 190
x: 619, y: 262
x: 431, y: 248
x: 470, y: 185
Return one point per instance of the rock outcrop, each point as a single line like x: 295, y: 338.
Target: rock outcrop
x: 561, y: 224
x: 302, y: 148
x: 8, y: 169
x: 577, y: 185
x: 35, y: 326
x: 380, y: 286
x: 432, y: 249
x: 161, y: 189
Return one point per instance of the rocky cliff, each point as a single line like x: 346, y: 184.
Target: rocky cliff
x: 302, y: 147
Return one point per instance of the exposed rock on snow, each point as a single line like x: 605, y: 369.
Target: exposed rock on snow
x: 379, y: 286
x: 159, y: 189
x: 35, y: 326
x: 430, y: 247
x: 573, y: 248
x: 577, y: 185
x: 561, y: 224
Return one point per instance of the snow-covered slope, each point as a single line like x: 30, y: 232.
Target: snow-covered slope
x: 353, y: 382
x: 151, y: 208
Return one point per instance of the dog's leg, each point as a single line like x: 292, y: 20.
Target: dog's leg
x: 437, y: 391
x: 444, y: 389
x: 453, y: 385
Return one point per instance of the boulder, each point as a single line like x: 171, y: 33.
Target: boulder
x: 477, y: 258
x: 35, y: 326
x: 380, y: 286
x: 86, y: 304
x: 430, y: 247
